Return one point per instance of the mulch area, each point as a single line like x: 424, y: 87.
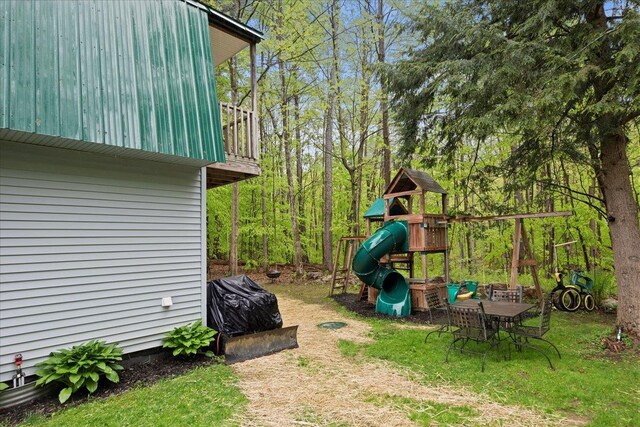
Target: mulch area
x: 136, y: 373
x: 363, y: 308
x: 142, y: 372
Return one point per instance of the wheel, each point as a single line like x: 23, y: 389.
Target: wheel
x: 555, y: 299
x: 570, y: 299
x: 588, y: 302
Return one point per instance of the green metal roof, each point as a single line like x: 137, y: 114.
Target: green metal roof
x: 377, y: 209
x: 134, y: 75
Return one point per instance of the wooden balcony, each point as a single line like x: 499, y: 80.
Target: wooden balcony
x: 240, y: 134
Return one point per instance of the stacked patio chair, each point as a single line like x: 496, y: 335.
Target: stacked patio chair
x: 522, y: 333
x: 472, y: 325
x: 510, y: 295
x: 436, y: 305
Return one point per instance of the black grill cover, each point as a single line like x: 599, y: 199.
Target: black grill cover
x: 237, y: 306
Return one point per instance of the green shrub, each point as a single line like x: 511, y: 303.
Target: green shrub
x: 251, y: 264
x: 189, y: 339
x: 604, y: 285
x: 4, y: 386
x: 81, y: 365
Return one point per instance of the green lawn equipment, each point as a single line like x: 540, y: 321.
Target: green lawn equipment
x: 577, y: 294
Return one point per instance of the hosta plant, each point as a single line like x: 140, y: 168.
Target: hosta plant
x: 80, y: 366
x: 189, y: 339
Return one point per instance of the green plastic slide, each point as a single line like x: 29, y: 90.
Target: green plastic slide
x: 394, y: 298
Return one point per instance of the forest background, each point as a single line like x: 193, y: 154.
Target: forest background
x: 330, y: 141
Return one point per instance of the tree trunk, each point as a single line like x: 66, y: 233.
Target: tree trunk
x: 460, y: 235
x: 327, y: 236
x: 624, y: 228
x: 551, y: 231
x: 358, y: 161
x: 593, y: 225
x: 581, y: 242
x: 265, y: 233
x: 351, y: 155
x: 286, y: 140
x: 233, y: 241
x: 386, y: 141
x: 299, y: 175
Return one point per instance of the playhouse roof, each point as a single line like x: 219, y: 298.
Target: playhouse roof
x: 410, y: 179
x: 377, y: 208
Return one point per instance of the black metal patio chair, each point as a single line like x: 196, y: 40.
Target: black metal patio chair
x: 472, y: 325
x: 522, y: 333
x: 436, y: 305
x: 509, y: 295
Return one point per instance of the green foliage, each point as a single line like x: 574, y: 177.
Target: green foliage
x: 187, y: 340
x: 481, y: 177
x: 3, y: 386
x: 604, y: 285
x: 303, y: 361
x: 79, y: 366
x: 533, y: 73
x: 428, y: 413
x: 207, y: 396
x: 348, y: 349
x: 250, y: 264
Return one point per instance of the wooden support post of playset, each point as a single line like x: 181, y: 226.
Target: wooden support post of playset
x: 446, y: 239
x: 520, y: 236
x: 425, y: 276
x: 515, y: 256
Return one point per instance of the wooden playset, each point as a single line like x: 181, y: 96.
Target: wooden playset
x: 405, y: 200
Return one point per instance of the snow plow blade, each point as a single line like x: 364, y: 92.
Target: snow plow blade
x: 245, y: 347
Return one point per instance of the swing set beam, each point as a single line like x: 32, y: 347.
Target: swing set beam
x: 520, y: 238
x: 508, y: 217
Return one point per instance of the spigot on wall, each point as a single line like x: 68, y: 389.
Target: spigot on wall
x: 18, y: 378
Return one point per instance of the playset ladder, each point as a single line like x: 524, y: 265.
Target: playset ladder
x: 347, y: 247
x: 405, y: 259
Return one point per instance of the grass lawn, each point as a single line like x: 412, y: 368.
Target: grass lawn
x: 204, y: 397
x: 584, y: 386
x: 588, y: 384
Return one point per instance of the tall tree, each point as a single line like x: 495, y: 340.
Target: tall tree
x: 286, y: 139
x: 353, y: 142
x: 327, y: 235
x: 560, y: 77
x: 299, y: 163
x: 235, y: 199
x: 263, y: 198
x: 386, y: 140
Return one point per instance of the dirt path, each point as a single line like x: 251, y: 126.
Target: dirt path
x: 315, y: 386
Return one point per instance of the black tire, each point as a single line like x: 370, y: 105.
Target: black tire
x: 570, y: 299
x: 588, y: 302
x: 555, y: 299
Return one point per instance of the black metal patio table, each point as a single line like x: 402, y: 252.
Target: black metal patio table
x: 506, y: 311
x: 501, y: 313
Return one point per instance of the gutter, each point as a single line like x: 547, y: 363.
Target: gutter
x: 229, y: 24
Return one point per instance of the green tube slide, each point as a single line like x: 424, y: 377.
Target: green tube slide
x: 393, y: 298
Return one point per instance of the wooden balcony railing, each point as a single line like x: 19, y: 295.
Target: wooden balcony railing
x: 239, y: 131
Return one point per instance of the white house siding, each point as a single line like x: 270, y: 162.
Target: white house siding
x: 89, y: 245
